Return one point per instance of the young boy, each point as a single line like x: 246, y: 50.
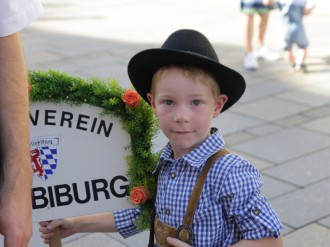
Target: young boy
x: 292, y: 13
x: 187, y: 87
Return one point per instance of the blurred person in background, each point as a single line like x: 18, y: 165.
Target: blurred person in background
x: 293, y: 12
x: 251, y: 8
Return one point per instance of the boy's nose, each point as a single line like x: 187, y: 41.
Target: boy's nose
x: 181, y: 115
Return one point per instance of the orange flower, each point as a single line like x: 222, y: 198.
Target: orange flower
x: 139, y: 195
x: 131, y: 98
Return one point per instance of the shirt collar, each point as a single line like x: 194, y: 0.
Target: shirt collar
x: 200, y: 154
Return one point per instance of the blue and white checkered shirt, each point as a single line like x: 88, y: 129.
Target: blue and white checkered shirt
x: 230, y: 207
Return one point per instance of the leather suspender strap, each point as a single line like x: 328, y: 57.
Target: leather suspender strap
x: 185, y: 232
x: 192, y: 205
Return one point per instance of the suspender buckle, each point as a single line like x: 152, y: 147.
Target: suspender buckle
x: 185, y: 234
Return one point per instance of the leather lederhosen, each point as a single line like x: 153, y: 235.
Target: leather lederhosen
x: 184, y: 232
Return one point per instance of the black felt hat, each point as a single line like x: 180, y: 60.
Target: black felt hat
x: 185, y: 47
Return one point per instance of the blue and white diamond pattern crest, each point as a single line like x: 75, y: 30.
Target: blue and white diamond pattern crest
x: 48, y: 160
x: 44, y: 156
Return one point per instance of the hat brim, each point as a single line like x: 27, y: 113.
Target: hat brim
x: 143, y: 65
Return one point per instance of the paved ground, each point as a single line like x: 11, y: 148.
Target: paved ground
x: 282, y: 123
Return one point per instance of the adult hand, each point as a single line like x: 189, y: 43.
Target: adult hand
x: 176, y: 243
x: 15, y: 215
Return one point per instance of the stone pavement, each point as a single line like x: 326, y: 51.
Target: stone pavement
x: 281, y: 124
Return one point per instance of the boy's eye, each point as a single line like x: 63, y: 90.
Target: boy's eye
x: 196, y: 102
x: 168, y: 102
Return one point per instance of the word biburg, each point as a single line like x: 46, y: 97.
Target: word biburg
x: 70, y: 120
x: 65, y: 194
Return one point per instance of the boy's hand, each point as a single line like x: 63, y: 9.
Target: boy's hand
x: 177, y: 243
x: 46, y: 228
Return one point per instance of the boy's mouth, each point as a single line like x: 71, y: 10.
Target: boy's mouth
x: 181, y: 132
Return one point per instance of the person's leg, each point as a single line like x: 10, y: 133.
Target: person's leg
x: 302, y: 43
x: 249, y: 28
x: 250, y: 61
x: 288, y: 44
x: 262, y: 27
x: 300, y: 59
x: 301, y: 55
x: 291, y: 58
x: 261, y: 50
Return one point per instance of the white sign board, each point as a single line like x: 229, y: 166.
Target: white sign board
x: 78, y: 158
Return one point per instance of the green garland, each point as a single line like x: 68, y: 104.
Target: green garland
x: 139, y: 122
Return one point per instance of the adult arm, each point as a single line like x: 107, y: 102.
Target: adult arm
x: 16, y: 172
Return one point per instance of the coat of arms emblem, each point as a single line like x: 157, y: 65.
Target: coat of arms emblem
x: 44, y: 156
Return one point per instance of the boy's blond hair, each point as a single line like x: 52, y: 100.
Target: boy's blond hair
x: 198, y: 75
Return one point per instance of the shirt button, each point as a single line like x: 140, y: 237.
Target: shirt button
x: 173, y: 175
x: 167, y: 212
x: 256, y: 211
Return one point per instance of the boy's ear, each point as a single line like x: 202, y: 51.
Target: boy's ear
x: 219, y: 104
x: 150, y: 98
